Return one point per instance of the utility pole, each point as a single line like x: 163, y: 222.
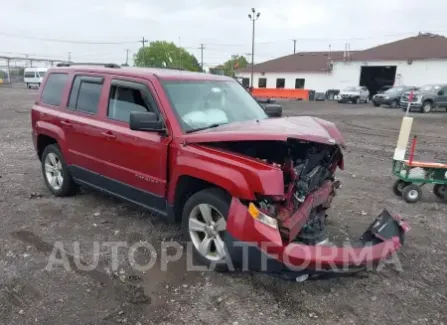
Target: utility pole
x: 127, y: 56
x: 144, y: 41
x: 294, y: 46
x: 253, y: 17
x: 201, y: 56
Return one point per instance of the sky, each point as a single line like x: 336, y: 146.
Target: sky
x: 102, y: 31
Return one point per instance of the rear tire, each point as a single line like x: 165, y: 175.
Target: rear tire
x: 357, y: 100
x: 399, y: 186
x: 376, y: 104
x: 55, y: 172
x: 204, y: 225
x: 412, y: 193
x: 440, y: 191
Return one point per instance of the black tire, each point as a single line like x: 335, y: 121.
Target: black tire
x: 68, y: 187
x: 399, y: 186
x: 219, y: 200
x: 394, y: 104
x: 376, y: 104
x: 440, y: 190
x: 426, y: 107
x: 357, y: 100
x: 28, y: 86
x: 412, y: 193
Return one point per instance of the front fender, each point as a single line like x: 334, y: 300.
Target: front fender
x: 241, y: 177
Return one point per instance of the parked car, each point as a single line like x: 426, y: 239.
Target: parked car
x: 355, y: 94
x: 384, y: 88
x: 391, y: 97
x: 426, y: 98
x: 199, y: 150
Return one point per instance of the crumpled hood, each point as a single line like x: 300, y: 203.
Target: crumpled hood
x: 305, y: 128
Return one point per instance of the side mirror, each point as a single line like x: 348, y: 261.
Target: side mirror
x: 146, y: 121
x: 273, y: 110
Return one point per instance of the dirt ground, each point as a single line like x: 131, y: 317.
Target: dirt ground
x: 32, y: 221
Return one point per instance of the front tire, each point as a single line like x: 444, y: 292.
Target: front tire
x: 376, y: 104
x: 394, y: 104
x: 55, y: 172
x: 426, y: 107
x: 357, y: 100
x: 204, y: 221
x: 412, y: 193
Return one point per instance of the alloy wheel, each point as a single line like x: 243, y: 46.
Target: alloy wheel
x: 206, y: 229
x: 54, y: 171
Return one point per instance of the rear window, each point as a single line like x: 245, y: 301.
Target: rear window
x: 54, y: 88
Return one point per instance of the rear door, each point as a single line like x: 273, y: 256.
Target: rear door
x: 82, y: 123
x: 136, y: 160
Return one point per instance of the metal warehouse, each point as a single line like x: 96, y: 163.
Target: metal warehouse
x: 417, y: 60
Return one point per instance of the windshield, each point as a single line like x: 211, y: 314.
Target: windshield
x: 41, y: 74
x: 203, y: 104
x: 352, y: 89
x: 430, y: 87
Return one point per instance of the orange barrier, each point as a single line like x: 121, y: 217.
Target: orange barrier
x: 281, y: 93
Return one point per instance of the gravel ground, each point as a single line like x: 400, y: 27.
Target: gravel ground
x: 32, y: 221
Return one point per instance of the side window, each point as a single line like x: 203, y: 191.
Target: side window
x: 54, y: 89
x: 29, y: 74
x: 85, y: 94
x: 126, y: 98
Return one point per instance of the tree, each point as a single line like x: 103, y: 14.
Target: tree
x: 234, y: 63
x: 163, y: 54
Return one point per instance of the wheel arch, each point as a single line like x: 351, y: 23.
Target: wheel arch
x: 186, y: 187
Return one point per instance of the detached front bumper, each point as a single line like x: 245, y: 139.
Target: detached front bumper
x: 256, y: 246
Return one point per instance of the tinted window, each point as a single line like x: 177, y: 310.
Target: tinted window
x: 124, y: 100
x: 85, y: 94
x: 54, y: 88
x: 88, y: 98
x: 29, y: 74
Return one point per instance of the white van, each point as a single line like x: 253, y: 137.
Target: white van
x: 34, y: 76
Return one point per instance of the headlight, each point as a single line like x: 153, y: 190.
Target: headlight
x: 262, y: 217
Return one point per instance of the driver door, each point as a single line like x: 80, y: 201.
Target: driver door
x: 136, y: 160
x: 441, y: 98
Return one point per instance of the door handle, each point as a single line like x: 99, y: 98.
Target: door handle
x: 109, y: 135
x: 66, y: 123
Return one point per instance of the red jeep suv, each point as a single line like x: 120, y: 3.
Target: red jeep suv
x: 198, y: 149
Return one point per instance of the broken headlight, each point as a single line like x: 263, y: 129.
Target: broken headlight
x: 262, y: 217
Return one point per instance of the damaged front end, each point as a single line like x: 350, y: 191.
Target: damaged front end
x: 290, y: 229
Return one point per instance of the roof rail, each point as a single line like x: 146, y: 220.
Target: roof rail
x: 107, y: 65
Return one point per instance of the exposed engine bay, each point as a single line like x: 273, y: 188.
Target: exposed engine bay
x: 308, y: 169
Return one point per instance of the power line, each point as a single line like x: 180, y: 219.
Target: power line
x: 64, y: 41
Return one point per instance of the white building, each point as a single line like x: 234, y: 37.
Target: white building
x: 412, y: 61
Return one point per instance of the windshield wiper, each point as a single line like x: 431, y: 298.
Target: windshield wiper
x: 205, y: 127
